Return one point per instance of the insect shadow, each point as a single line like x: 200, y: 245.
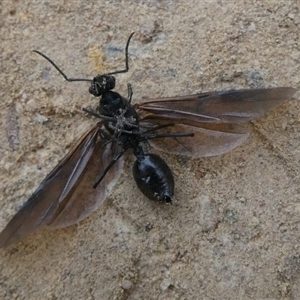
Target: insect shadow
x: 198, y: 125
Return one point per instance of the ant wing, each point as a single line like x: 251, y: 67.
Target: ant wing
x: 208, y: 139
x: 66, y: 195
x: 217, y: 119
x: 234, y: 106
x: 83, y: 199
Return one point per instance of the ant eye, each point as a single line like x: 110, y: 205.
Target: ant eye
x: 111, y: 82
x: 96, y: 89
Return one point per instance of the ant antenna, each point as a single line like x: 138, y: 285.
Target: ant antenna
x: 126, y: 59
x: 85, y: 79
x: 59, y: 70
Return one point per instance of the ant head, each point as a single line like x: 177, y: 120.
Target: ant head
x: 101, y: 84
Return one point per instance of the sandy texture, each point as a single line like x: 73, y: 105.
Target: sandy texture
x: 234, y: 230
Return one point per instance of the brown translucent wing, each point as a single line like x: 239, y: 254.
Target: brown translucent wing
x: 217, y: 119
x: 49, y: 203
x: 83, y: 199
x: 235, y: 106
x: 208, y: 140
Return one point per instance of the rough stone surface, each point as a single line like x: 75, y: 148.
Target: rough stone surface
x: 233, y: 232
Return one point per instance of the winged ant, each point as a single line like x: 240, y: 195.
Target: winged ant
x: 198, y: 125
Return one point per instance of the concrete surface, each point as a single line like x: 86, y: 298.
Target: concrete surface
x: 233, y: 232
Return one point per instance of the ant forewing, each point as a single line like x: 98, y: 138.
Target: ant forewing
x: 217, y: 119
x: 198, y: 125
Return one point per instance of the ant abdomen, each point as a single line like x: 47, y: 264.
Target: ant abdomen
x: 154, y: 178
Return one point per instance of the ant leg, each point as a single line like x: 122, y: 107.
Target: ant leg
x: 157, y: 127
x: 167, y: 135
x: 112, y: 162
x: 96, y: 115
x: 103, y: 134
